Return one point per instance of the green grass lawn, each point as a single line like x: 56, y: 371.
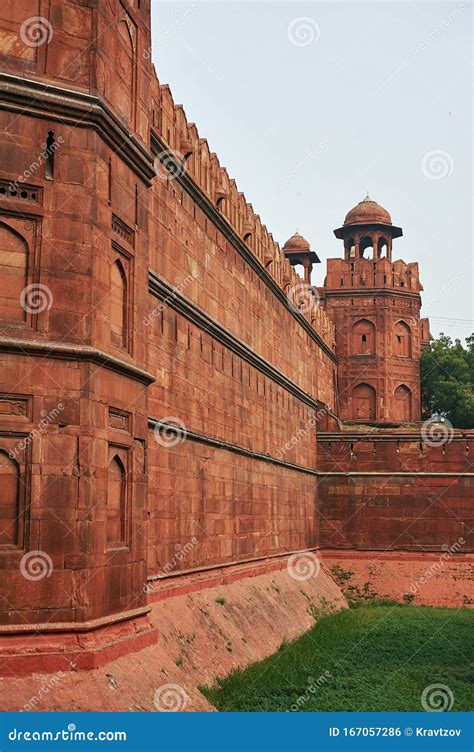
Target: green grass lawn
x: 372, y: 658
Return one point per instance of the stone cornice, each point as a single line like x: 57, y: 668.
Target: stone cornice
x: 176, y: 300
x: 407, y: 474
x: 347, y: 435
x: 202, y: 438
x: 81, y: 353
x: 163, y: 152
x: 77, y: 108
x: 369, y: 292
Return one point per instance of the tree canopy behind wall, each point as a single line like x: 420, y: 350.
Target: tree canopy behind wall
x: 447, y: 380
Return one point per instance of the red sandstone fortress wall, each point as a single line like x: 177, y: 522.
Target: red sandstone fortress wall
x: 165, y: 298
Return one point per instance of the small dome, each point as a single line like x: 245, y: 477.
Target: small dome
x: 296, y: 243
x: 368, y: 212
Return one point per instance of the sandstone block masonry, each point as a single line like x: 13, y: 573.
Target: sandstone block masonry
x: 155, y: 367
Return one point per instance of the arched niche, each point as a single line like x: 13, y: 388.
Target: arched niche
x: 118, y: 305
x: 364, y: 402
x: 9, y: 500
x: 402, y: 404
x: 116, y: 497
x: 402, y: 340
x: 123, y: 92
x: 363, y: 338
x: 13, y: 277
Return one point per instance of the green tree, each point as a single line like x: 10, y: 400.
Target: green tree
x: 447, y: 380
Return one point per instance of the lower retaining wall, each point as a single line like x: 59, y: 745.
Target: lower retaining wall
x: 428, y: 579
x: 202, y: 635
x: 383, y: 490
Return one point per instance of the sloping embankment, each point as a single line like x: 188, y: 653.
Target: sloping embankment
x: 201, y: 635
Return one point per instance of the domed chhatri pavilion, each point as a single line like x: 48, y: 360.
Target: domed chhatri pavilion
x: 298, y: 251
x: 368, y: 225
x: 375, y: 306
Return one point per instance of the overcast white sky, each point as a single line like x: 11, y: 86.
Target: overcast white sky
x: 309, y: 105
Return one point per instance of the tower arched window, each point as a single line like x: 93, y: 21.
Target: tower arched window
x: 116, y: 503
x: 118, y: 305
x: 403, y: 403
x: 9, y: 500
x: 364, y: 402
x: 13, y: 277
x: 363, y: 338
x: 402, y: 342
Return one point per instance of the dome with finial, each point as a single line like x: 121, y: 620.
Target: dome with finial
x: 368, y: 212
x: 296, y: 243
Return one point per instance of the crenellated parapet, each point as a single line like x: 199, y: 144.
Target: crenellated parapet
x: 193, y: 155
x: 379, y: 273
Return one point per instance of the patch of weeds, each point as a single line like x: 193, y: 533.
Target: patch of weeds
x: 408, y: 598
x: 220, y: 601
x: 340, y: 575
x: 179, y: 661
